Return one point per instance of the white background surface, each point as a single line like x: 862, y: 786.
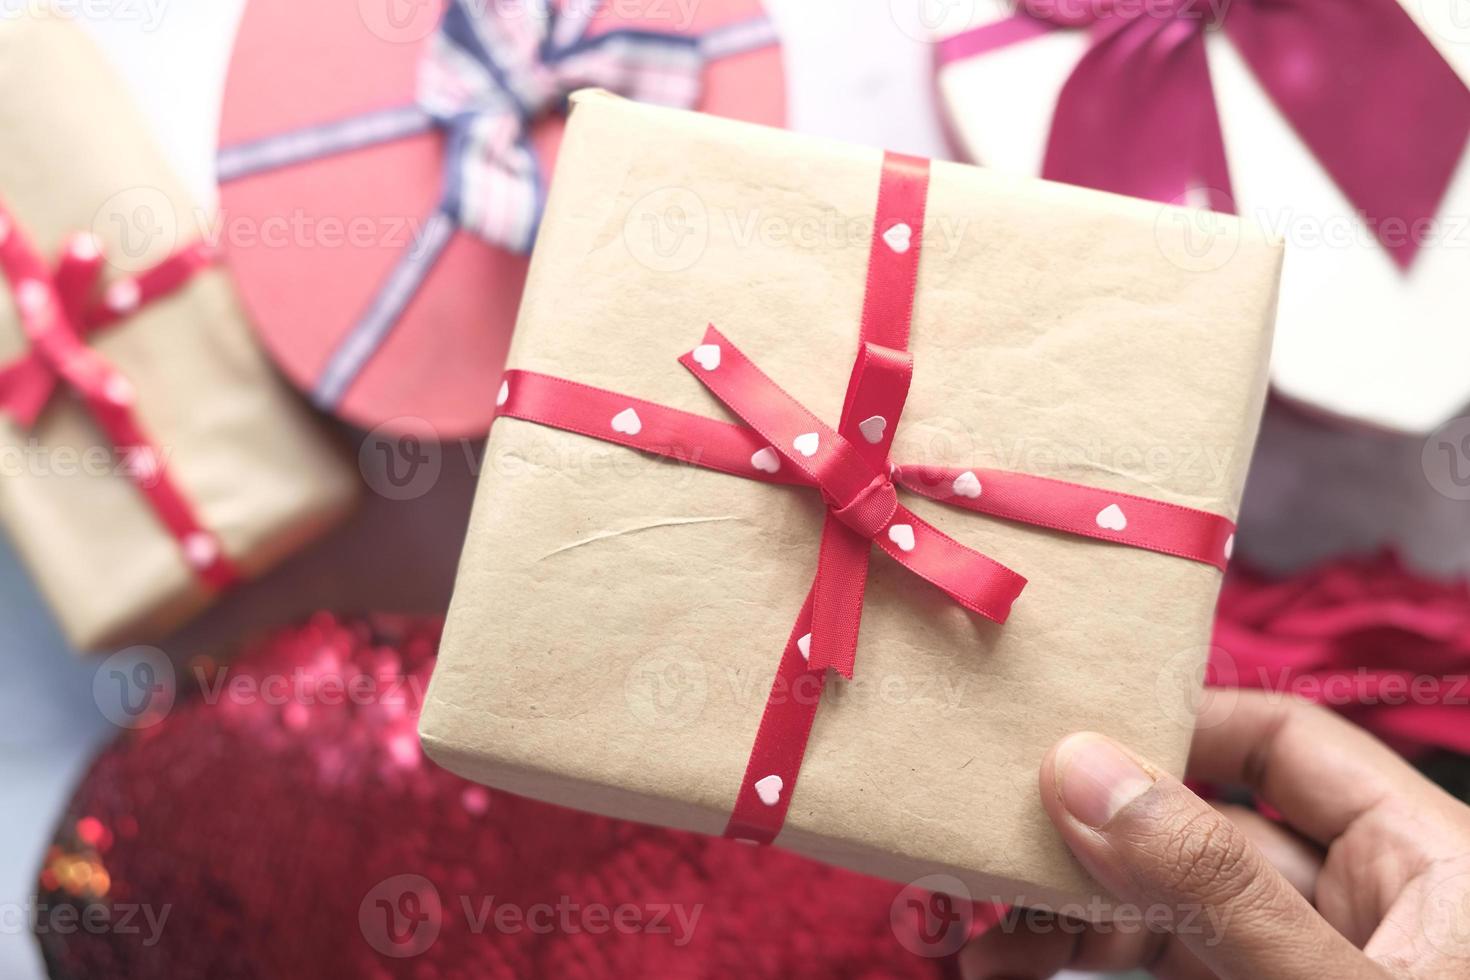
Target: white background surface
x: 854, y: 74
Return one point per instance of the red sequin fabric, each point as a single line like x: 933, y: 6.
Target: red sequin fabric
x: 280, y: 821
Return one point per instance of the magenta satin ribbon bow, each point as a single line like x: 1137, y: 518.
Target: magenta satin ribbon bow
x: 1367, y: 92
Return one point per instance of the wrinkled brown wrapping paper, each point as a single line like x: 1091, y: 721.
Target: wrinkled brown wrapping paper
x: 260, y: 474
x: 617, y: 619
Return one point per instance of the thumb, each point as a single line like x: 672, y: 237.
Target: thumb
x: 1178, y: 862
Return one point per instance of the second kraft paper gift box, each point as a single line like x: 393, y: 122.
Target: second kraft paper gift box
x: 150, y: 458
x: 624, y: 623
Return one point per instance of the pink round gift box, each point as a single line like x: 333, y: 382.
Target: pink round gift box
x: 312, y: 243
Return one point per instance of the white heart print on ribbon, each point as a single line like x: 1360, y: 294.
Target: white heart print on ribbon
x: 124, y: 296
x: 503, y: 395
x: 873, y: 428
x: 766, y: 460
x: 900, y: 238
x: 707, y: 356
x: 902, y: 535
x: 768, y: 788
x: 1112, y: 518
x: 804, y: 647
x: 627, y: 422
x: 807, y: 444
x: 118, y: 390
x: 200, y: 549
x: 967, y: 484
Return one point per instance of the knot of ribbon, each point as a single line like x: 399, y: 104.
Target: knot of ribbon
x: 490, y: 73
x: 780, y: 441
x: 58, y: 310
x: 1372, y: 98
x: 850, y: 467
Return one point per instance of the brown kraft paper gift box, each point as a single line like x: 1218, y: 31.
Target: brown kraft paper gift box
x: 250, y: 458
x: 618, y: 619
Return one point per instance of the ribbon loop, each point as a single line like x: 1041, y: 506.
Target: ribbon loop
x: 804, y: 441
x: 876, y: 394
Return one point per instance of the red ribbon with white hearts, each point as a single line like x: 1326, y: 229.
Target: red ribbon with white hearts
x: 781, y: 442
x: 58, y: 309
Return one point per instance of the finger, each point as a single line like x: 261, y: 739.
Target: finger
x: 1298, y: 860
x: 1031, y: 943
x: 1152, y: 842
x: 1321, y: 771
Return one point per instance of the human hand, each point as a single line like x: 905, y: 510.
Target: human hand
x: 1370, y: 880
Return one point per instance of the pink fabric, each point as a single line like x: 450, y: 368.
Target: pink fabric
x: 1386, y: 647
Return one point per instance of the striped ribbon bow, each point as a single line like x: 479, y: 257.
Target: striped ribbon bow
x: 490, y: 73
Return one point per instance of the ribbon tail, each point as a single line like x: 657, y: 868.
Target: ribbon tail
x: 837, y: 598
x: 1373, y: 99
x: 25, y: 388
x: 780, y: 743
x: 981, y: 584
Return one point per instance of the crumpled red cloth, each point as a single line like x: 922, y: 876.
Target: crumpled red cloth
x: 278, y: 835
x: 1387, y: 647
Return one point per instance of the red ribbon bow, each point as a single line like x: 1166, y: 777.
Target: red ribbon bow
x: 58, y: 310
x: 1367, y: 92
x: 782, y: 442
